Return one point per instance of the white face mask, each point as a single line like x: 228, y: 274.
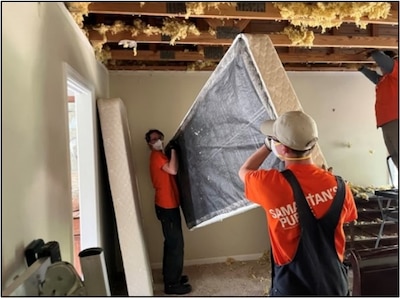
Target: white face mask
x: 158, y: 145
x: 273, y: 148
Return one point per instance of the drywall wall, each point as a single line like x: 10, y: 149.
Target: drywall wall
x: 37, y: 39
x: 341, y: 103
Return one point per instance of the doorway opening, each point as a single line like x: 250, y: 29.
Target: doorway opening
x: 83, y: 165
x: 74, y: 181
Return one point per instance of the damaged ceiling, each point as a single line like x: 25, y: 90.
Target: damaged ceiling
x: 194, y: 36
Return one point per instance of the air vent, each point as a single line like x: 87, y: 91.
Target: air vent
x: 167, y: 55
x: 213, y: 52
x: 250, y: 6
x: 176, y: 7
x: 227, y: 32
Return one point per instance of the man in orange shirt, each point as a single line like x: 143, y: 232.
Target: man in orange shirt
x: 306, y: 207
x: 163, y: 171
x: 387, y: 99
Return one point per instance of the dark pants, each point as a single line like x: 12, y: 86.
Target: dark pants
x: 390, y: 132
x: 173, y: 244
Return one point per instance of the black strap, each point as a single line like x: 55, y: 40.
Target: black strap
x: 305, y: 214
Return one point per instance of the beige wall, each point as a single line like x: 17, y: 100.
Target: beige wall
x: 341, y: 103
x: 161, y: 100
x: 36, y: 194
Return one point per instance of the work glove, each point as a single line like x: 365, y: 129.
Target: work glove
x: 173, y: 144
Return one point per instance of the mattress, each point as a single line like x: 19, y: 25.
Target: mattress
x: 221, y: 129
x: 123, y: 184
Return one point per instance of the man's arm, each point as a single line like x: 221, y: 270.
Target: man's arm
x: 171, y: 167
x: 385, y: 62
x: 254, y: 161
x: 372, y: 75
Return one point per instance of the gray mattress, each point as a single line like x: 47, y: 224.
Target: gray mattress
x: 221, y: 129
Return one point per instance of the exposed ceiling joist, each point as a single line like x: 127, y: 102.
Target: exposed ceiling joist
x: 279, y: 40
x: 196, y: 56
x: 123, y: 45
x: 224, y: 11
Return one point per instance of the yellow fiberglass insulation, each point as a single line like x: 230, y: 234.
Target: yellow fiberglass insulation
x: 364, y: 192
x: 78, y: 10
x: 198, y: 8
x: 118, y: 26
x: 300, y: 36
x: 140, y: 27
x: 178, y: 30
x: 331, y: 14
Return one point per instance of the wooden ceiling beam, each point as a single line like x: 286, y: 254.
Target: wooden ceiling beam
x: 279, y: 40
x: 225, y: 11
x: 284, y: 57
x: 240, y: 24
x: 204, y: 38
x: 156, y: 68
x: 323, y: 58
x: 212, y: 68
x: 318, y: 68
x: 157, y: 56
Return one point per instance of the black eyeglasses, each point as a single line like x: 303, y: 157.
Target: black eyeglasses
x: 156, y: 139
x: 273, y: 139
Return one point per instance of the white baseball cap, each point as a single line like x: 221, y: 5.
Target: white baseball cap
x: 294, y: 129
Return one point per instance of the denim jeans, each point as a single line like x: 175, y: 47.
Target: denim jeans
x: 173, y: 244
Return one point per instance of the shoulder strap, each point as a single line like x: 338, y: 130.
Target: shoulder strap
x: 333, y: 214
x: 304, y: 210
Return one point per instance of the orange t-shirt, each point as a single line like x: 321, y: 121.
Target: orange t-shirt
x: 387, y: 97
x: 166, y: 190
x: 270, y: 189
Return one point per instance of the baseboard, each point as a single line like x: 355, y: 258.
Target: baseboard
x: 250, y: 257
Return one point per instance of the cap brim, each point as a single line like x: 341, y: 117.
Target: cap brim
x: 267, y: 127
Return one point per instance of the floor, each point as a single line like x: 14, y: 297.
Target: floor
x: 231, y: 278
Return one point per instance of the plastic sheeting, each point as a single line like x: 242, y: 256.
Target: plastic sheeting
x: 218, y: 134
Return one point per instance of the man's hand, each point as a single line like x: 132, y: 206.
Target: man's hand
x: 330, y: 169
